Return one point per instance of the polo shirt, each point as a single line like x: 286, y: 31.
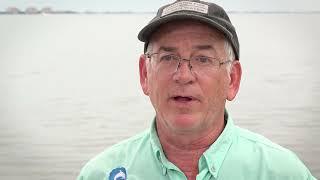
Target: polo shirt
x: 236, y: 154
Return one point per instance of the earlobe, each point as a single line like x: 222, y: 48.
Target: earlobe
x: 235, y: 78
x: 143, y: 74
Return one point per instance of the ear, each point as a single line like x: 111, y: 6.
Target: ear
x: 143, y: 74
x: 235, y: 77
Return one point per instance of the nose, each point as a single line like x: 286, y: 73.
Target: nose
x: 183, y: 73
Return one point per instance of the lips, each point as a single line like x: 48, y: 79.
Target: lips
x: 183, y: 98
x: 183, y: 101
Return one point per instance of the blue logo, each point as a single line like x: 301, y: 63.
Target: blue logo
x: 119, y: 173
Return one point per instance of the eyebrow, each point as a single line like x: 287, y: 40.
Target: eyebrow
x: 203, y: 47
x: 167, y: 48
x: 197, y: 47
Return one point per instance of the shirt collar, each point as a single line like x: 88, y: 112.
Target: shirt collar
x: 215, y: 155
x: 155, y: 142
x: 211, y: 159
x: 158, y: 151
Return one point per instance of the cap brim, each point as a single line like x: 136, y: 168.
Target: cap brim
x: 146, y: 32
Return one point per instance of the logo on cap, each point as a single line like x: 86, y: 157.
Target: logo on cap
x: 185, y: 6
x: 119, y: 173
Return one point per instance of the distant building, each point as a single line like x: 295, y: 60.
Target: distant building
x: 13, y: 10
x: 32, y: 10
x: 47, y: 10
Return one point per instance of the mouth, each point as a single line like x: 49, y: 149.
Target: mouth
x: 183, y: 99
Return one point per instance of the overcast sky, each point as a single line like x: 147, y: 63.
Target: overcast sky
x: 152, y: 5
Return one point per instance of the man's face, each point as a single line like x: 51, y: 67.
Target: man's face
x: 184, y: 100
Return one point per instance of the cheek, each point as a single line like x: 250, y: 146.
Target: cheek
x: 157, y: 88
x: 153, y: 80
x: 215, y: 90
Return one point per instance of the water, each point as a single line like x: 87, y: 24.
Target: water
x: 69, y: 87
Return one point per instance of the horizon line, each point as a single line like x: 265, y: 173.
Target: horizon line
x: 154, y: 12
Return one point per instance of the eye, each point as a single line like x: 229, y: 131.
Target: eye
x: 169, y: 57
x: 202, y: 59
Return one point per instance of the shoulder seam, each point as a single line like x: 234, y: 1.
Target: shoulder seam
x: 132, y: 139
x: 261, y: 140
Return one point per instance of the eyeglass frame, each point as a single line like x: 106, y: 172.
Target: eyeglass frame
x: 149, y: 56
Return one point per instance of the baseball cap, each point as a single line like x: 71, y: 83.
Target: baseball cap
x: 201, y: 11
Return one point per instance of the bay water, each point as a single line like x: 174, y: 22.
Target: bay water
x: 69, y: 87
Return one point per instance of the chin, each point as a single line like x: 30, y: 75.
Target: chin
x: 185, y: 122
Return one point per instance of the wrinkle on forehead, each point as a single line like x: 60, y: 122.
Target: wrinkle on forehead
x: 196, y: 47
x: 195, y: 36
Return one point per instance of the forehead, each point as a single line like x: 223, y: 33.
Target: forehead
x: 186, y: 27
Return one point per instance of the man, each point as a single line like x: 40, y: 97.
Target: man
x: 189, y: 70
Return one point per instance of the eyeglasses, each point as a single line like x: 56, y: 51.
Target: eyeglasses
x: 197, y: 64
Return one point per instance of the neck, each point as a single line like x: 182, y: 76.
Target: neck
x: 185, y: 149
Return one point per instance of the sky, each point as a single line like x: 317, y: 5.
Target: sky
x: 152, y: 5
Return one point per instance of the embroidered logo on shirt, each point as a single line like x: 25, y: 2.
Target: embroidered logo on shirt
x: 119, y: 173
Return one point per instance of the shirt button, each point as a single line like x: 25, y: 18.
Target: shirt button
x: 164, y: 170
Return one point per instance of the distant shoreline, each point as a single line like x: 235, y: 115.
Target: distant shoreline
x: 129, y: 12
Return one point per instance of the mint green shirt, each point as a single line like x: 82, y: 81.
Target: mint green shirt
x: 237, y: 154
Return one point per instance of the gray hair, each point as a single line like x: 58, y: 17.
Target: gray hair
x: 229, y: 50
x: 230, y: 54
x: 149, y: 48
